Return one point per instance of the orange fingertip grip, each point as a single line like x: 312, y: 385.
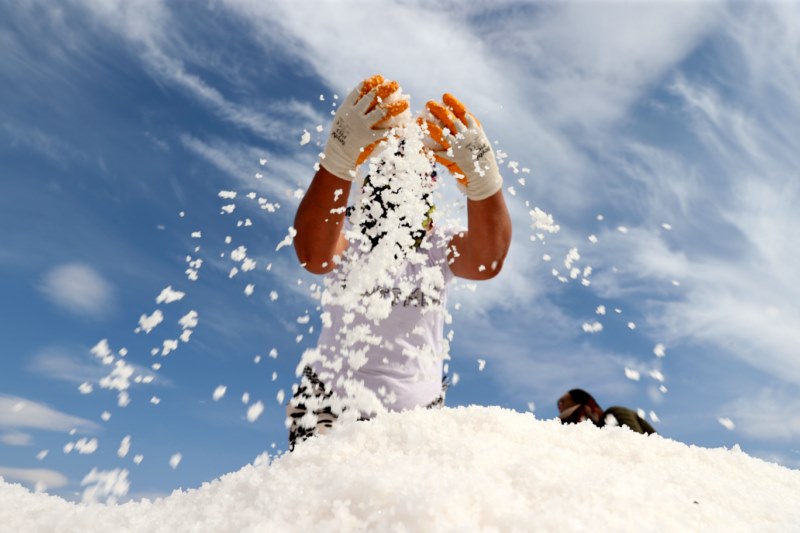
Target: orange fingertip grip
x: 444, y: 115
x: 458, y: 109
x: 370, y: 83
x: 392, y: 110
x: 434, y: 132
x: 368, y: 151
x: 383, y: 91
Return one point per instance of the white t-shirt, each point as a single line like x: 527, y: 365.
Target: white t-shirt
x: 404, y: 369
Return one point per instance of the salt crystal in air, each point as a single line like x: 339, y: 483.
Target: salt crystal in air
x: 288, y: 239
x: 254, y: 411
x: 654, y: 417
x: 227, y: 195
x: 659, y: 350
x: 594, y: 327
x: 219, y: 392
x: 727, y: 423
x: 305, y: 138
x: 42, y: 454
x: 656, y: 375
x: 137, y: 459
x: 147, y: 323
x: 155, y: 400
x: 632, y: 374
x: 245, y: 398
x: 248, y: 290
x: 601, y: 310
x: 631, y: 325
x: 168, y: 295
x: 280, y: 397
x: 189, y: 320
x: 196, y: 235
x: 622, y: 229
x: 273, y: 353
x: 273, y: 295
x: 262, y: 161
x: 105, y: 416
x: 593, y: 239
x: 666, y: 226
x: 481, y: 365
x: 175, y: 460
x: 85, y: 388
x: 124, y: 446
x: 228, y: 208
x: 257, y: 359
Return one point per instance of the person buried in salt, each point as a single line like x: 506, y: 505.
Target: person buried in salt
x: 386, y: 262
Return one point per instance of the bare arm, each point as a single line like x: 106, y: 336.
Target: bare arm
x: 478, y: 253
x: 320, y: 221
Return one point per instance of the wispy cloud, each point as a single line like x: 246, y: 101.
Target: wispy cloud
x: 16, y: 438
x: 770, y: 414
x: 17, y: 412
x: 78, y: 288
x: 34, y: 476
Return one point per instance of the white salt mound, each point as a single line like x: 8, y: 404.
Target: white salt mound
x: 463, y: 469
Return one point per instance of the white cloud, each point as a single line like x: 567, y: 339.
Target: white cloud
x: 78, y: 288
x: 16, y: 438
x: 17, y: 412
x: 770, y: 414
x: 34, y: 476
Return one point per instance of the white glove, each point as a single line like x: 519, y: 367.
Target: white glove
x: 466, y: 152
x: 360, y: 123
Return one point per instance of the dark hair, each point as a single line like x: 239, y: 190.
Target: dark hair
x: 582, y: 397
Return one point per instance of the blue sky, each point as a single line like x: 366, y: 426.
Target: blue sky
x: 673, y: 121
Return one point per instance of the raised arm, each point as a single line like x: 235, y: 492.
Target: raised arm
x: 464, y: 149
x: 319, y: 222
x: 359, y: 125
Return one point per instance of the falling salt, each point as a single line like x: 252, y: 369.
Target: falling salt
x: 632, y: 374
x: 254, y: 411
x: 481, y: 365
x: 601, y: 310
x: 219, y: 392
x: 175, y: 460
x: 631, y: 325
x: 659, y: 350
x: 248, y: 290
x: 594, y: 327
x: 305, y: 138
x: 727, y: 423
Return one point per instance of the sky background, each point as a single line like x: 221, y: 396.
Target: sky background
x: 660, y: 136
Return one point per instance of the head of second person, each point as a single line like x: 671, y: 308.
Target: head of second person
x: 578, y: 405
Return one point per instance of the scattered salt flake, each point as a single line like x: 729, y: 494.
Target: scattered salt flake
x: 123, y: 399
x: 168, y: 295
x: 288, y: 239
x: 663, y: 389
x: 124, y: 446
x: 155, y: 400
x: 305, y: 138
x: 676, y: 283
x: 273, y: 353
x: 274, y: 376
x: 259, y: 176
x: 257, y: 359
x: 617, y: 310
x: 727, y: 423
x: 228, y: 208
x: 280, y: 397
x: 42, y: 454
x: 481, y: 364
x: 456, y: 378
x: 181, y: 214
x: 169, y: 346
x: 600, y: 217
x: 657, y: 375
x: 246, y: 398
x: 219, y: 392
x: 622, y: 229
x: 239, y: 254
x: 273, y: 295
x: 147, y: 323
x: 185, y: 334
x: 248, y: 265
x: 654, y: 417
x: 594, y: 327
x: 262, y: 161
x: 197, y: 235
x: 542, y: 222
x: 601, y: 310
x: 86, y: 446
x: 248, y: 290
x: 546, y: 258
x: 85, y: 388
x: 512, y: 191
x: 666, y: 226
x: 156, y: 366
x: 105, y: 486
x: 632, y: 374
x: 631, y: 325
x: 175, y: 460
x: 593, y: 239
x: 105, y: 416
x: 254, y: 411
x: 248, y: 222
x: 660, y: 350
x: 531, y: 407
x: 233, y: 272
x: 137, y: 459
x: 189, y: 320
x: 227, y: 195
x: 303, y: 319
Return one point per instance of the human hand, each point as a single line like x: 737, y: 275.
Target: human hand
x: 460, y: 144
x: 361, y: 123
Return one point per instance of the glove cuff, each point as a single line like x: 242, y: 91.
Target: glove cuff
x: 482, y: 187
x: 336, y: 162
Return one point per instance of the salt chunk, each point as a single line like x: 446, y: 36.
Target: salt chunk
x: 105, y: 416
x: 228, y: 208
x: 42, y: 454
x: 227, y: 195
x: 248, y: 290
x: 631, y: 325
x: 85, y: 388
x: 197, y: 235
x: 659, y: 350
x: 245, y: 398
x: 254, y: 411
x: 305, y: 138
x: 137, y: 459
x: 219, y: 392
x: 280, y: 397
x: 175, y: 460
x: 727, y: 423
x: 168, y: 295
x: 601, y: 310
x: 481, y: 365
x: 124, y: 446
x: 632, y: 374
x: 594, y: 327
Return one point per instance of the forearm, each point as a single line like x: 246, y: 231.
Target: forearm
x: 489, y: 226
x: 319, y: 222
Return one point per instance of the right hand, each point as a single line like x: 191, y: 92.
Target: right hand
x: 361, y: 123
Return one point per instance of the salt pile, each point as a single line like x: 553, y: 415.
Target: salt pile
x: 462, y: 469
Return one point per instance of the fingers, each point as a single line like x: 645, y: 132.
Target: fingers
x: 454, y: 169
x: 370, y: 83
x: 442, y: 114
x: 382, y: 92
x: 368, y: 151
x: 435, y: 132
